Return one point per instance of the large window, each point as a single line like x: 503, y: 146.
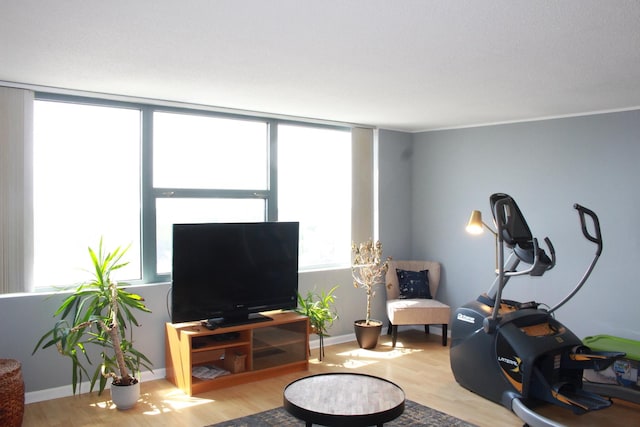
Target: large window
x: 127, y: 172
x: 314, y: 173
x: 86, y: 185
x: 207, y: 169
x: 209, y: 152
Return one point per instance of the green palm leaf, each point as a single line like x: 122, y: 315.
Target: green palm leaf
x: 86, y: 316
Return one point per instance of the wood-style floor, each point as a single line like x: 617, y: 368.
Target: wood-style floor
x: 419, y: 364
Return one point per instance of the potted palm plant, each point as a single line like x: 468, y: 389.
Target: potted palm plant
x: 99, y: 312
x: 318, y: 307
x: 368, y: 270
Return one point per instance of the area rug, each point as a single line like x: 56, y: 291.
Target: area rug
x: 414, y: 415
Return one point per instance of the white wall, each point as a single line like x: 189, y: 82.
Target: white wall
x: 547, y: 166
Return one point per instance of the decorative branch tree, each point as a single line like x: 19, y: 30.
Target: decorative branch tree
x: 368, y: 269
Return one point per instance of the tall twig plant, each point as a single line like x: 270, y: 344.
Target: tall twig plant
x: 368, y: 269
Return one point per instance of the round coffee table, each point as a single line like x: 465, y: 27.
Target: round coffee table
x: 344, y: 399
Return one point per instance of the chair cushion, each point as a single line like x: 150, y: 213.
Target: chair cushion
x: 417, y: 312
x: 413, y: 284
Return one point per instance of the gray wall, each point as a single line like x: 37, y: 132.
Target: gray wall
x: 547, y: 166
x: 25, y: 317
x: 395, y: 201
x: 429, y: 183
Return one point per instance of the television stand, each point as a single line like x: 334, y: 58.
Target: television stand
x: 222, y: 322
x: 199, y: 359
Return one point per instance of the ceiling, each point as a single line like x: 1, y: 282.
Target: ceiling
x: 408, y: 65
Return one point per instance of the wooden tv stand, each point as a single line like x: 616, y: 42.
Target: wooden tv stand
x: 247, y: 352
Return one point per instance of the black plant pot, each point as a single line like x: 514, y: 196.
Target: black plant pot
x: 367, y: 335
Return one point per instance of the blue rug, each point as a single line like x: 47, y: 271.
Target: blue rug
x: 414, y: 415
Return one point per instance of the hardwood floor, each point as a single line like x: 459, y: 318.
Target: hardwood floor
x: 419, y: 364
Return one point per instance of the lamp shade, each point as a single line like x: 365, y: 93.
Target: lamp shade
x: 474, y: 226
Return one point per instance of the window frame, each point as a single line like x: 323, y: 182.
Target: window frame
x: 149, y: 194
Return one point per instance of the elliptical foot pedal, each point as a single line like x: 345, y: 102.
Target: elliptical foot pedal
x: 579, y: 400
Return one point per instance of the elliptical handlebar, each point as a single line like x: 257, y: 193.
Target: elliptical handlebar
x: 552, y: 252
x: 597, y: 239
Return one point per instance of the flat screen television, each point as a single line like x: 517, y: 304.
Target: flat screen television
x: 227, y: 273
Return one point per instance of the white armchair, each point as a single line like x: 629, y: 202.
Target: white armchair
x: 403, y: 308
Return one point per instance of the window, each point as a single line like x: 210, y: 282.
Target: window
x: 171, y: 211
x: 209, y: 152
x: 128, y: 172
x: 205, y: 157
x: 86, y: 185
x: 314, y: 176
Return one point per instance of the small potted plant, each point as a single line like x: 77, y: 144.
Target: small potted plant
x: 99, y: 312
x: 320, y: 311
x: 368, y: 269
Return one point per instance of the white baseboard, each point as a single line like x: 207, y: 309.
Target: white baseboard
x: 67, y: 390
x: 315, y: 342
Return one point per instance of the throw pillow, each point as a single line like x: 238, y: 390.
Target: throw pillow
x: 413, y: 284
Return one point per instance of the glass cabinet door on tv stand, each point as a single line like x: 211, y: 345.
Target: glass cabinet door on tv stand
x: 199, y: 359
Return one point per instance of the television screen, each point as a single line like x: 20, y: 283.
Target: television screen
x: 228, y: 271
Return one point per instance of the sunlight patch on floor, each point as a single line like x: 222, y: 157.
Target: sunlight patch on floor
x: 360, y: 357
x: 107, y: 404
x: 174, y: 400
x: 179, y: 400
x: 382, y: 351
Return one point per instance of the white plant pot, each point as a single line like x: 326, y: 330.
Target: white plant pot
x: 125, y: 397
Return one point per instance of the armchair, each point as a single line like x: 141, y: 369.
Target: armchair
x: 409, y: 305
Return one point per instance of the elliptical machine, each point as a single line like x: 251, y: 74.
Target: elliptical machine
x: 517, y: 354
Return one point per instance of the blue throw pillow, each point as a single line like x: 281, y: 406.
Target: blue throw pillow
x: 414, y: 284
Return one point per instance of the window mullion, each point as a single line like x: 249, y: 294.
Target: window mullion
x: 209, y: 193
x: 148, y: 215
x: 272, y: 199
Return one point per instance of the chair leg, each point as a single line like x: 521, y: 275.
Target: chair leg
x: 389, y: 328
x: 444, y: 334
x: 394, y: 335
x: 426, y: 329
